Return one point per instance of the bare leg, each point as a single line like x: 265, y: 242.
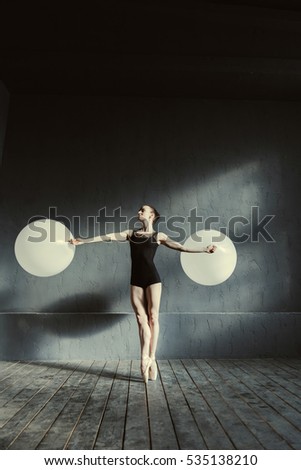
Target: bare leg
x: 153, y: 296
x: 139, y: 304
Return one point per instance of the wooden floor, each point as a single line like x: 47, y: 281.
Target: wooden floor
x: 194, y: 404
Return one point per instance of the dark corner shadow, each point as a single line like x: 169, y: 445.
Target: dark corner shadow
x: 101, y: 372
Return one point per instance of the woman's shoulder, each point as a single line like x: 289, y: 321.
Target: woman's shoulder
x: 129, y: 232
x: 161, y: 237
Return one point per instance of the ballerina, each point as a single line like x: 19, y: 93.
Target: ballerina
x: 146, y: 286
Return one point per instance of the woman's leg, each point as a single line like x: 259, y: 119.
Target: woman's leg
x: 153, y: 297
x: 139, y: 304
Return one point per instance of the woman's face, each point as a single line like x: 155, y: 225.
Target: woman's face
x: 145, y: 213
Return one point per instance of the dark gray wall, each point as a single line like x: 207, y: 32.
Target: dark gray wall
x: 80, y: 154
x: 4, y: 105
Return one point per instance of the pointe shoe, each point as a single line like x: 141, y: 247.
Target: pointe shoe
x: 153, y: 370
x: 145, y: 368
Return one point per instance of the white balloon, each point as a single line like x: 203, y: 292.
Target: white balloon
x: 213, y: 268
x: 42, y: 248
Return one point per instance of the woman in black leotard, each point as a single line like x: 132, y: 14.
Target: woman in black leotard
x: 143, y: 250
x: 146, y: 284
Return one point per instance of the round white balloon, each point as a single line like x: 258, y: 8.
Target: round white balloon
x: 213, y: 268
x: 42, y: 248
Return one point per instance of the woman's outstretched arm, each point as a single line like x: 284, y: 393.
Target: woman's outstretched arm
x: 109, y: 237
x: 165, y: 240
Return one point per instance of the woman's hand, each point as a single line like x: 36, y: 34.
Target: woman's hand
x: 76, y: 241
x: 210, y: 249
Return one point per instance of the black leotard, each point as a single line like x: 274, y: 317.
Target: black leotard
x: 143, y: 250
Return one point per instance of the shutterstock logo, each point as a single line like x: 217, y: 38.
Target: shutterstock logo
x: 239, y: 228
x: 258, y: 227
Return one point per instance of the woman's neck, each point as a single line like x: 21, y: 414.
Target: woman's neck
x: 147, y: 227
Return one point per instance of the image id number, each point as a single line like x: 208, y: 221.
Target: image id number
x: 221, y: 459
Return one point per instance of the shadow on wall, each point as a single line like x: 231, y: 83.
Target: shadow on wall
x: 84, y: 303
x: 66, y: 337
x: 77, y: 303
x: 43, y: 335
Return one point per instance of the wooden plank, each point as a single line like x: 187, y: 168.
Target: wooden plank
x: 19, y: 383
x: 188, y: 433
x: 86, y: 429
x: 283, y: 366
x: 32, y: 408
x: 288, y: 391
x: 233, y: 393
x: 62, y: 413
x: 16, y: 397
x: 38, y: 382
x: 288, y: 366
x: 111, y: 431
x: 193, y: 405
x: 273, y: 395
x: 35, y: 430
x: 213, y: 433
x: 137, y: 434
x: 275, y: 369
x: 9, y: 376
x: 294, y: 363
x: 162, y: 431
x: 268, y: 409
x: 7, y: 364
x: 8, y: 367
x: 238, y: 432
x: 15, y: 406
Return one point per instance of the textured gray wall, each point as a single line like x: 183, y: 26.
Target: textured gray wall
x: 4, y: 106
x: 93, y: 336
x: 80, y: 154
